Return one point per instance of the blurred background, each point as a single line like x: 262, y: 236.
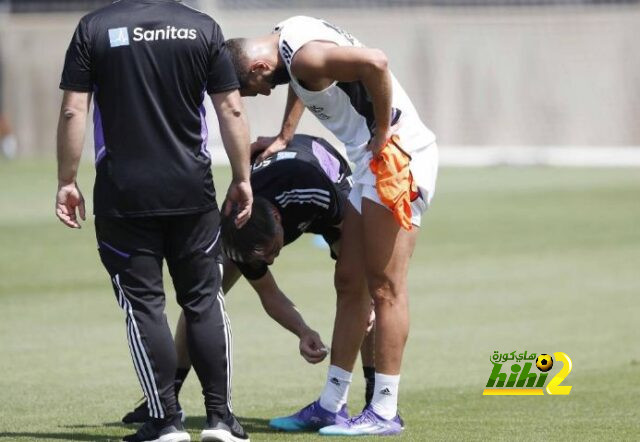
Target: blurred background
x: 498, y: 81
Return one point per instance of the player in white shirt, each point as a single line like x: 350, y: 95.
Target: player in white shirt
x: 350, y: 89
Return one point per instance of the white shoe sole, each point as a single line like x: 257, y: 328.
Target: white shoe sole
x: 219, y: 436
x: 181, y: 436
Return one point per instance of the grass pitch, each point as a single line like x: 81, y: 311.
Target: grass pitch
x: 535, y: 259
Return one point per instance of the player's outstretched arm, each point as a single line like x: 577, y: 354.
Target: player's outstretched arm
x: 318, y: 64
x: 292, y: 113
x: 234, y: 130
x: 70, y: 140
x: 283, y: 311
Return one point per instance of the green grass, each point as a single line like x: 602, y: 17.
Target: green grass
x: 533, y: 259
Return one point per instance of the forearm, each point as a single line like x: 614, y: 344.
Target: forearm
x: 319, y: 64
x: 377, y: 81
x: 284, y: 312
x: 234, y: 130
x: 292, y: 114
x: 70, y: 139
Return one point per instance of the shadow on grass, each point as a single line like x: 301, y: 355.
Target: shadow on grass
x: 252, y: 425
x: 256, y: 425
x: 89, y: 435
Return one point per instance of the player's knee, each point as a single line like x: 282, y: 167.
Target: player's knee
x: 383, y: 289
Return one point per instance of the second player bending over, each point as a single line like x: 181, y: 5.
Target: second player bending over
x: 302, y: 189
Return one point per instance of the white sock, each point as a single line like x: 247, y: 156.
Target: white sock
x: 335, y: 392
x: 385, y: 395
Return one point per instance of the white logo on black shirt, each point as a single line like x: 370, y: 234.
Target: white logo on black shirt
x: 118, y: 37
x: 168, y: 33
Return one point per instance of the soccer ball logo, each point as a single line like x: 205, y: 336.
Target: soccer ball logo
x: 544, y: 363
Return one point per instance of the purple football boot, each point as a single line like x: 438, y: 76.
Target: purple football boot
x: 367, y: 423
x: 310, y: 418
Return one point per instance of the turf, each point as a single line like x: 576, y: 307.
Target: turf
x: 533, y: 259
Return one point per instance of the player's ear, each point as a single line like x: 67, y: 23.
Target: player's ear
x: 276, y: 215
x: 259, y: 66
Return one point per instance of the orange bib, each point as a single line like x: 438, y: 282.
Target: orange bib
x: 394, y: 181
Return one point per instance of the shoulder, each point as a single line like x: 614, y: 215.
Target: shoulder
x: 91, y: 19
x: 296, y: 32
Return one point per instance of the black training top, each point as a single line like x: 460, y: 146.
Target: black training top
x: 309, y: 183
x: 149, y: 64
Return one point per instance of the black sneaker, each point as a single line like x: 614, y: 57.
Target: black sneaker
x: 159, y: 430
x: 140, y: 414
x: 223, y: 430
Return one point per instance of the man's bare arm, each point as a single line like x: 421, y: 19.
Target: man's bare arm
x: 234, y: 130
x: 318, y: 64
x: 70, y: 140
x: 292, y: 114
x: 285, y: 313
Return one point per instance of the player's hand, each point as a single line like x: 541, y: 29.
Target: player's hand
x: 267, y: 146
x: 68, y: 200
x: 239, y: 196
x: 311, y: 347
x: 380, y: 139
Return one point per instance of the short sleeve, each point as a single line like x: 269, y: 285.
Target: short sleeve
x: 76, y: 75
x: 222, y: 74
x: 252, y: 272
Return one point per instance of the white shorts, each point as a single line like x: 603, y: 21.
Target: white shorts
x: 424, y: 168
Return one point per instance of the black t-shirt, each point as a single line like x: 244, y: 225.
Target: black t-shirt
x: 309, y: 183
x: 149, y: 64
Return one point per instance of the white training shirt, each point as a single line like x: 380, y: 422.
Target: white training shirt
x: 345, y: 108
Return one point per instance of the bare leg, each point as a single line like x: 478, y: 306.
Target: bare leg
x: 353, y: 303
x: 388, y: 249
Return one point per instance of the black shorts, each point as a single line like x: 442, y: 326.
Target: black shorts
x: 331, y: 234
x: 134, y: 249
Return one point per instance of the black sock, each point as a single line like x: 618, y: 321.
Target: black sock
x: 181, y: 374
x: 370, y: 379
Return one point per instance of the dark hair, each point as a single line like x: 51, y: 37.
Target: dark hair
x: 237, y: 50
x: 242, y: 245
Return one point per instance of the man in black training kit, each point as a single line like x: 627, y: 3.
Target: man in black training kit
x: 149, y: 64
x: 303, y: 188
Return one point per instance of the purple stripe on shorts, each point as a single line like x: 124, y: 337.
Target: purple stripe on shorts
x: 101, y: 153
x: 204, y: 131
x: 98, y: 134
x: 329, y: 163
x: 114, y: 250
